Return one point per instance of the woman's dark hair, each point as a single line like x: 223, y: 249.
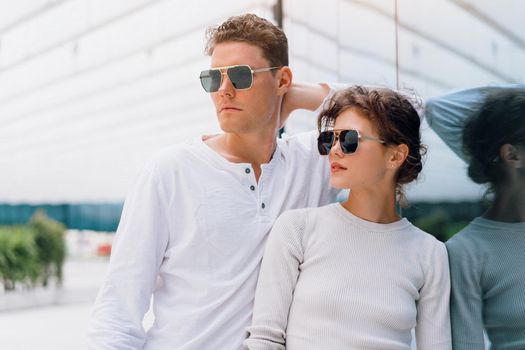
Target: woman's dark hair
x: 393, y: 116
x: 499, y: 120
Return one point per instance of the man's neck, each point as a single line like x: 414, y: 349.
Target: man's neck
x: 253, y: 148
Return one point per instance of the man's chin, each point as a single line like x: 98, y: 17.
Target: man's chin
x: 227, y: 126
x: 231, y: 128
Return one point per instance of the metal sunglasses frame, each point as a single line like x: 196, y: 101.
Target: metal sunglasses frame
x: 224, y: 71
x: 337, y: 132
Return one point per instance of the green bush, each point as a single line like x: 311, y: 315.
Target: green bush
x: 51, y: 246
x: 454, y: 227
x: 32, y: 253
x: 439, y: 224
x: 19, y: 262
x: 435, y: 223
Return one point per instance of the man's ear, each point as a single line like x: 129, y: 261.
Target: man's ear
x: 398, y: 154
x: 284, y: 80
x: 511, y: 156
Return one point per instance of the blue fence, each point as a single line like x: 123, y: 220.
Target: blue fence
x: 96, y: 216
x: 106, y: 216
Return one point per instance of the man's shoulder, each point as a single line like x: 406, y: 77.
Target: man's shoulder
x: 172, y: 152
x: 299, y: 136
x: 303, y: 141
x: 172, y: 157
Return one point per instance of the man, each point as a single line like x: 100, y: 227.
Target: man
x: 193, y: 229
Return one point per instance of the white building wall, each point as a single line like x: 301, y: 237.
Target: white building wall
x: 442, y: 45
x: 89, y: 89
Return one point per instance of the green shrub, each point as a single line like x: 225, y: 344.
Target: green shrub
x: 454, y: 227
x: 19, y: 262
x: 51, y: 246
x: 440, y: 224
x: 32, y: 253
x: 434, y: 223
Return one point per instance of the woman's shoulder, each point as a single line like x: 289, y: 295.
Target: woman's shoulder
x: 424, y: 239
x: 478, y: 234
x: 482, y: 237
x: 302, y: 214
x: 299, y: 225
x: 302, y: 221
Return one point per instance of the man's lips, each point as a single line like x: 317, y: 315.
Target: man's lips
x: 229, y: 108
x: 336, y: 167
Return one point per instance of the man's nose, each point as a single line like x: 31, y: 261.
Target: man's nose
x: 226, y: 84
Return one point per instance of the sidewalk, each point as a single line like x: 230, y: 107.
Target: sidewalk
x: 54, y: 319
x: 60, y: 327
x: 82, y: 278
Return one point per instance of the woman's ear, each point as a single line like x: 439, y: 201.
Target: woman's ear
x: 511, y: 155
x: 398, y: 154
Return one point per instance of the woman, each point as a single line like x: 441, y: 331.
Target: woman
x: 355, y: 275
x: 487, y: 258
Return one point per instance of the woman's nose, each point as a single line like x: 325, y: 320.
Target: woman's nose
x: 336, y: 147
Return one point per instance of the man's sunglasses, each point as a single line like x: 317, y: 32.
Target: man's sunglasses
x: 348, y: 140
x: 241, y: 77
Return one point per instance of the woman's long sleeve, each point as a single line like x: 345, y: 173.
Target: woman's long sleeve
x: 277, y: 280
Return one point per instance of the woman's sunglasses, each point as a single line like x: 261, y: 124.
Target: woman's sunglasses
x: 348, y: 140
x: 241, y: 77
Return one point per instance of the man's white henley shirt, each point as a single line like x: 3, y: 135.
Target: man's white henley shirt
x: 192, y: 234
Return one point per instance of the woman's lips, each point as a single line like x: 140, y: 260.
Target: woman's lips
x: 335, y: 167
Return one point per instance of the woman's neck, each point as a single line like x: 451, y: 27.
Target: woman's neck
x: 508, y: 206
x: 374, y: 206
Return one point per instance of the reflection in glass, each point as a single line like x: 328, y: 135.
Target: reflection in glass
x: 486, y: 127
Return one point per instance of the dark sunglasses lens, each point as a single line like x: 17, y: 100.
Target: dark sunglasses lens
x: 211, y: 80
x: 324, y: 142
x: 348, y: 140
x: 240, y: 76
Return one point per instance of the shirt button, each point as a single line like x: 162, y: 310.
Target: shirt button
x: 252, y: 187
x: 263, y: 205
x: 247, y: 170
